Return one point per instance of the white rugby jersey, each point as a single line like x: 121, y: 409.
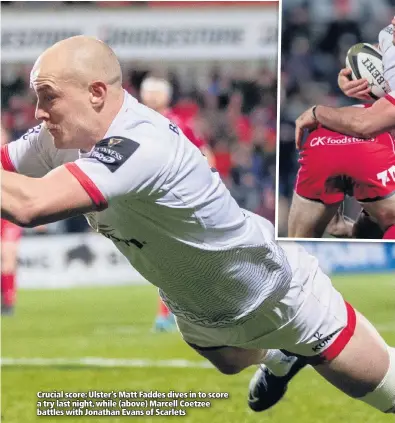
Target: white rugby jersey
x: 170, y: 215
x: 388, y: 51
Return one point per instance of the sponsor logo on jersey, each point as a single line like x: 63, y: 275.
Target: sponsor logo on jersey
x: 109, y: 233
x: 102, y: 157
x: 109, y: 152
x: 316, y: 141
x: 114, y: 151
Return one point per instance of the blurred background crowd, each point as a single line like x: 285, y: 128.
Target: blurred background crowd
x: 315, y: 39
x: 230, y: 105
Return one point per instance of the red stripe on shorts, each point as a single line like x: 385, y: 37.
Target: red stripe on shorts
x: 344, y: 337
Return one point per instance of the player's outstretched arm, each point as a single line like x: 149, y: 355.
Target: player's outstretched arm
x: 360, y: 122
x: 353, y: 121
x: 30, y: 202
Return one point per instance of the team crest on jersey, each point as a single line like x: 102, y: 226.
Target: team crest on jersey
x: 114, y: 151
x: 114, y: 141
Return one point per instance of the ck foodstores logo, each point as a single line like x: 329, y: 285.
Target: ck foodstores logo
x: 386, y: 176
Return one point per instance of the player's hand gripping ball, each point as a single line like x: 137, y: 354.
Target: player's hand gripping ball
x: 364, y: 62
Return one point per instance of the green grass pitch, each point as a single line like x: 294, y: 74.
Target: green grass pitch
x: 115, y: 323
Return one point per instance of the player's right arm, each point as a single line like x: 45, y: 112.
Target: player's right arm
x: 353, y: 121
x: 116, y: 166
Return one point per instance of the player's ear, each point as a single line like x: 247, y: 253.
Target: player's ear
x: 98, y: 92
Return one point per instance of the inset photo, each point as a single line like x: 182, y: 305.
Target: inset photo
x: 336, y: 162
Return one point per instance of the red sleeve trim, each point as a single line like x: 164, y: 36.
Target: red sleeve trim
x: 344, y: 337
x: 6, y: 159
x: 390, y: 99
x: 88, y: 185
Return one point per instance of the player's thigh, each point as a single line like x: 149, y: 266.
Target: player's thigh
x: 309, y: 219
x: 382, y: 210
x: 231, y: 360
x: 9, y: 251
x: 214, y: 344
x: 362, y: 364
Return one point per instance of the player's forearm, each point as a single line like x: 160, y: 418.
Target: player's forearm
x: 346, y: 120
x: 17, y: 204
x: 31, y: 202
x: 24, y: 201
x: 360, y: 122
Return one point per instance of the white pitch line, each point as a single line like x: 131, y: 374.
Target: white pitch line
x: 103, y: 362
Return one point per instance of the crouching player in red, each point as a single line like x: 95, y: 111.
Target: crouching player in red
x: 156, y: 93
x: 10, y: 236
x: 333, y: 165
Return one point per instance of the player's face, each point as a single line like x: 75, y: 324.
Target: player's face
x: 65, y: 109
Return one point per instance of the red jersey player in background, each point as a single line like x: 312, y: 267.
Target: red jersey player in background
x: 156, y: 93
x: 10, y: 236
x: 333, y: 165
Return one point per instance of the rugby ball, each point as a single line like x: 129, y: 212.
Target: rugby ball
x: 365, y: 61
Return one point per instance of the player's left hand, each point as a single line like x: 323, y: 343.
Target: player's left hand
x: 306, y: 120
x: 356, y: 89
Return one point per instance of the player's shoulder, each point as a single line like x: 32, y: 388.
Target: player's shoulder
x: 38, y: 137
x: 140, y: 133
x: 143, y: 126
x: 140, y: 142
x: 114, y: 151
x: 34, y: 134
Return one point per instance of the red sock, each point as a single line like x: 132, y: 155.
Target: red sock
x: 163, y: 311
x: 390, y: 233
x: 8, y: 289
